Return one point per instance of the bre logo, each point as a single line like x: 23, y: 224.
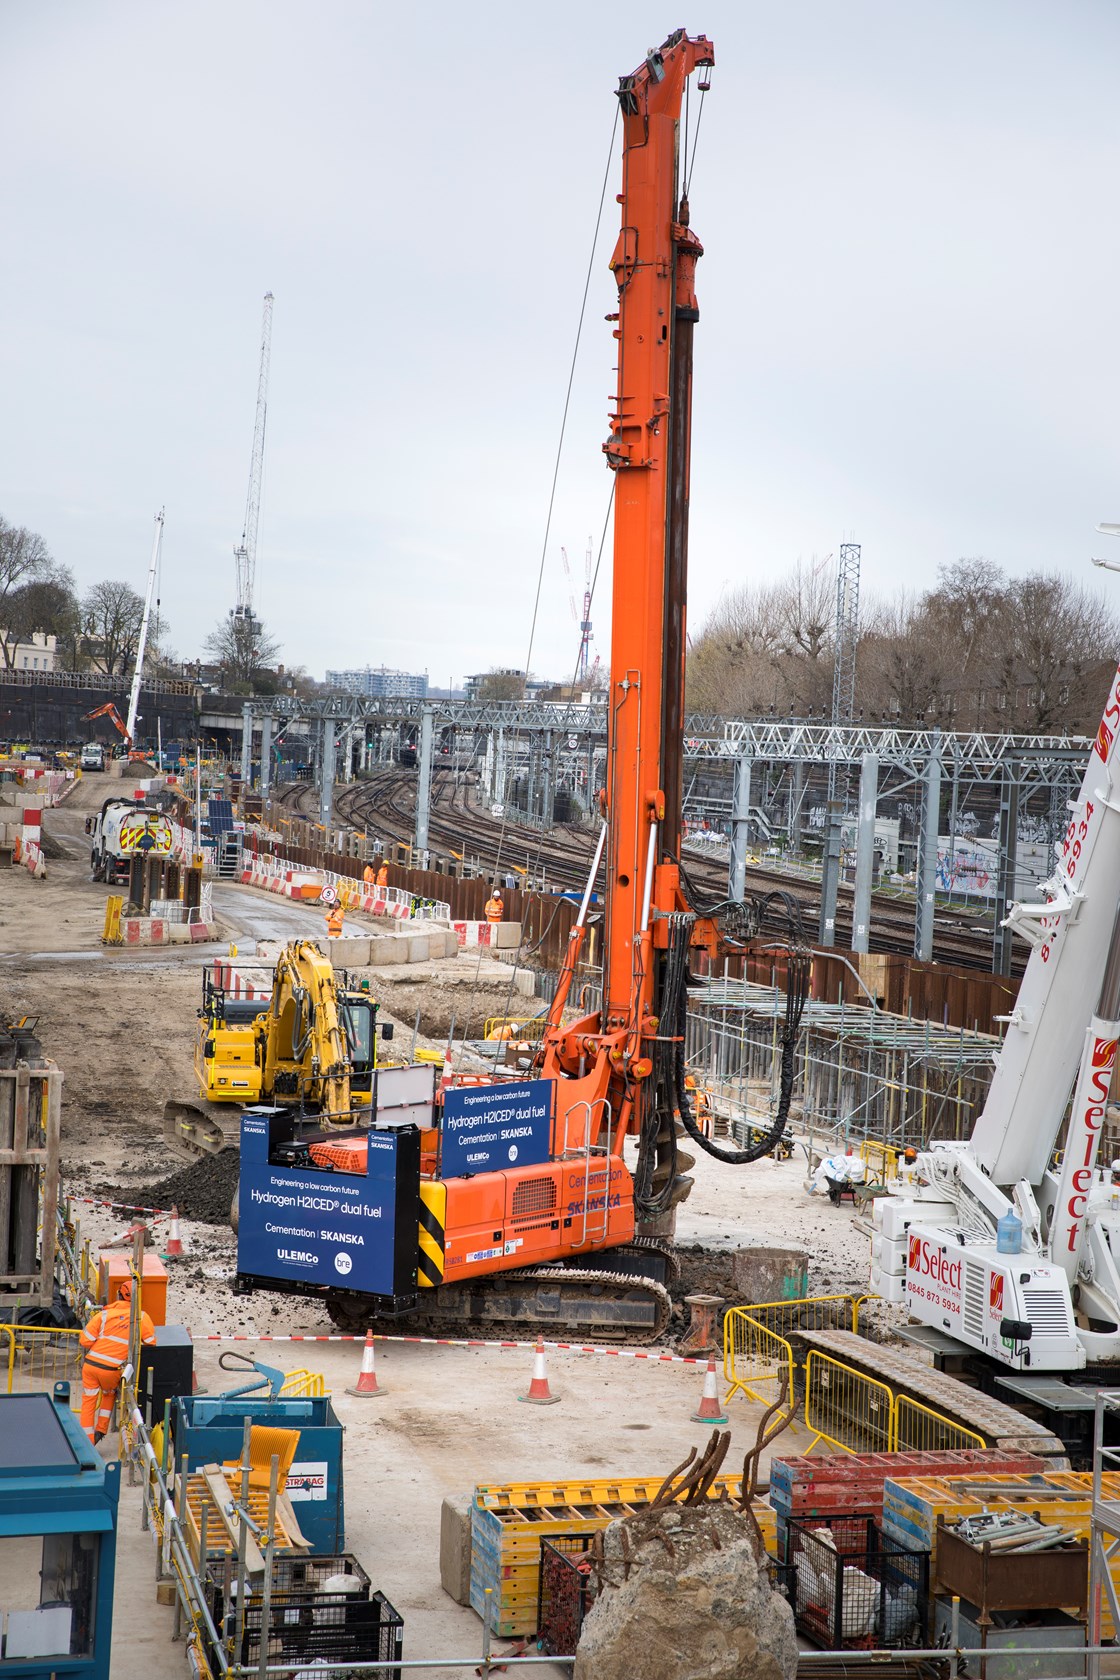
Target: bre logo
x: 995, y: 1292
x: 343, y: 1264
x: 513, y: 1152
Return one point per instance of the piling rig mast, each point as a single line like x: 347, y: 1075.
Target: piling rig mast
x: 621, y: 1071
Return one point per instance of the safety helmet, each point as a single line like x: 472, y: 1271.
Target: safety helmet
x: 124, y: 1291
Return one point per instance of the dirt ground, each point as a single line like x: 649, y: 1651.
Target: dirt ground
x: 121, y: 1026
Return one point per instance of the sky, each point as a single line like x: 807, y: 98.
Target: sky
x: 908, y: 300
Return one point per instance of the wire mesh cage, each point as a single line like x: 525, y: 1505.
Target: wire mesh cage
x: 851, y: 1589
x: 318, y: 1583
x: 321, y: 1612
x: 565, y: 1593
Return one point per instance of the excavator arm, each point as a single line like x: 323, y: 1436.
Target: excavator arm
x: 110, y: 711
x: 302, y: 1044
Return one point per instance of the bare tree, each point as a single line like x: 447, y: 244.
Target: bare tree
x: 24, y: 560
x: 808, y: 607
x: 1058, y: 632
x: 902, y: 663
x: 499, y: 684
x: 111, y: 613
x: 244, y: 649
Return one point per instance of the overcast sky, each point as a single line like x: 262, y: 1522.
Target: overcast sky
x: 908, y: 300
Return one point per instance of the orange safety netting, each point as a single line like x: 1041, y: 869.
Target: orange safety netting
x: 347, y: 1155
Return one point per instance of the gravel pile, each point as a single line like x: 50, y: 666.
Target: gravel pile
x: 202, y: 1191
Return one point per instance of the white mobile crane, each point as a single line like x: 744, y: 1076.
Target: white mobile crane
x: 989, y: 1241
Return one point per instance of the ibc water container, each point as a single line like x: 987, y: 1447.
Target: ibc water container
x: 1009, y: 1234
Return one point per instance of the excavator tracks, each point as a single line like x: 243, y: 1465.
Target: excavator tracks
x: 568, y: 1303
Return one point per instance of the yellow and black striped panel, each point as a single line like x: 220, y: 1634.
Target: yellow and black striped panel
x: 433, y: 1218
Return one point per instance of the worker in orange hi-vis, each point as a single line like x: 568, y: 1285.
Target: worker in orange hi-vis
x: 105, y: 1339
x: 495, y: 909
x: 336, y: 915
x: 383, y: 875
x: 369, y: 875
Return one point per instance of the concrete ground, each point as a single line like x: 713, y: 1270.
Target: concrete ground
x: 449, y: 1419
x: 122, y: 1024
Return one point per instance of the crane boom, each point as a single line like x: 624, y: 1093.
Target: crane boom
x: 142, y: 644
x: 245, y: 554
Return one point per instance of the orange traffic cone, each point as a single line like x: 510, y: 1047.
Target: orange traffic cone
x: 448, y: 1070
x: 709, y: 1410
x: 367, y: 1388
x: 174, y: 1249
x: 539, y: 1392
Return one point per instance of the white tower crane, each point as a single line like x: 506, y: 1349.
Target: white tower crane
x: 583, y: 668
x: 245, y: 554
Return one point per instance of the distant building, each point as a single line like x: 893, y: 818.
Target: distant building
x: 379, y: 683
x: 36, y: 654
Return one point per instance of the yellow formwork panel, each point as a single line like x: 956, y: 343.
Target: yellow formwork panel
x: 512, y: 1519
x: 912, y: 1505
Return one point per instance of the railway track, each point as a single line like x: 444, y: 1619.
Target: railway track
x: 384, y: 805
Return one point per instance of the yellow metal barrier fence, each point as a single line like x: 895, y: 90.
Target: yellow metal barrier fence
x: 849, y: 1411
x: 33, y: 1359
x: 756, y: 1361
x: 515, y: 1027
x: 880, y: 1160
x: 918, y: 1429
x: 304, y: 1385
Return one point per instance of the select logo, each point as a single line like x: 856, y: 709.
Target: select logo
x: 995, y: 1292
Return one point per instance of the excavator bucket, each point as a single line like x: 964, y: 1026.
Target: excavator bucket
x: 197, y: 1127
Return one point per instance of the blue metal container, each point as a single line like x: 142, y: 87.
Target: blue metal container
x: 210, y: 1429
x: 58, y: 1541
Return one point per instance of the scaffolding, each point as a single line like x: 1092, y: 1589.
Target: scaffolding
x: 861, y: 1073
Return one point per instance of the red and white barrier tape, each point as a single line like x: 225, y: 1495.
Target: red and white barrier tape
x: 654, y: 1355
x: 121, y: 1207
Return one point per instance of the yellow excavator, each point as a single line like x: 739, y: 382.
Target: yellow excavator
x: 311, y: 1045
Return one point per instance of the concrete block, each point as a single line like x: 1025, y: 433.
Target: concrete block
x: 506, y: 936
x: 525, y: 983
x: 269, y: 949
x: 455, y: 1547
x: 419, y: 946
x: 200, y: 933
x: 178, y: 933
x: 351, y: 951
x: 386, y: 948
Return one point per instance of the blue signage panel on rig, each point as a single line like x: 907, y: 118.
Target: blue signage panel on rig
x: 317, y: 1227
x: 488, y: 1127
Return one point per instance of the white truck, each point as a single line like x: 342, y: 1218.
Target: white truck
x: 122, y: 830
x: 998, y: 1243
x: 93, y: 756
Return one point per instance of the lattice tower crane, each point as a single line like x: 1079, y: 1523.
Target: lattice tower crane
x: 245, y: 554
x: 583, y: 666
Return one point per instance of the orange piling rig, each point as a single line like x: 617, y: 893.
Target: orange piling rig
x: 614, y: 1069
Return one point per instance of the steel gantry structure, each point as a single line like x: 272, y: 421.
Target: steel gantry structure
x: 940, y: 766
